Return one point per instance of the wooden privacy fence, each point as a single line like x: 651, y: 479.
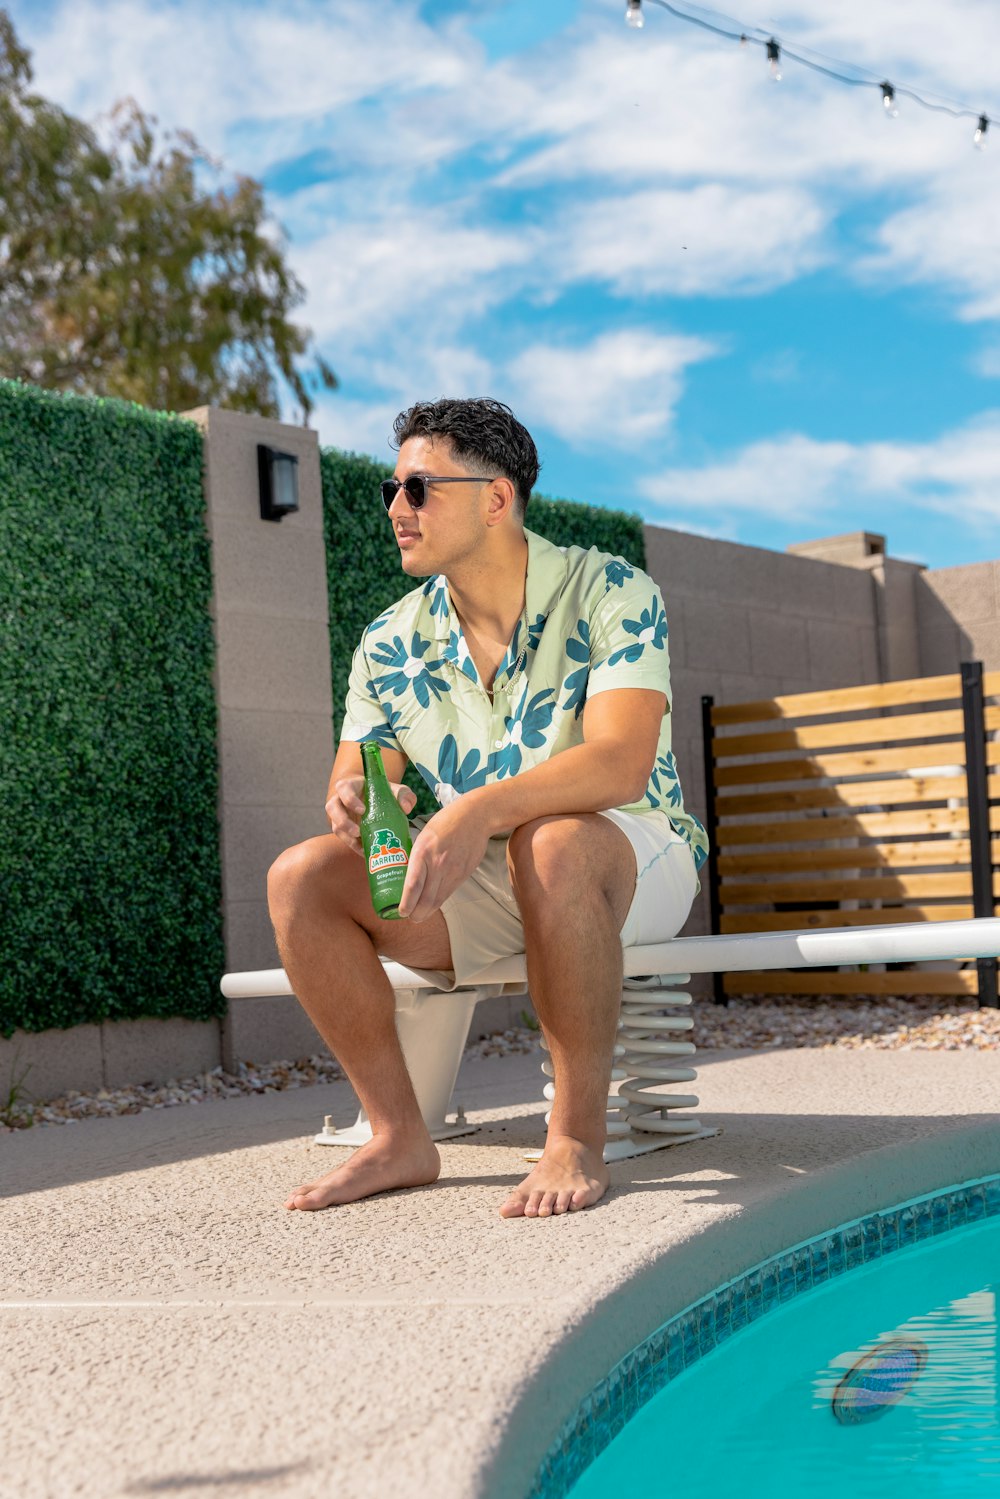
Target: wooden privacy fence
x: 877, y: 804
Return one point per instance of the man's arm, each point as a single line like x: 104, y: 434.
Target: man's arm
x: 621, y: 729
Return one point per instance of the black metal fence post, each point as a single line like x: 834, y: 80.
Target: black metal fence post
x: 979, y: 817
x: 711, y: 824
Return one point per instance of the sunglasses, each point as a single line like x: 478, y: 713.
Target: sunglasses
x: 416, y: 486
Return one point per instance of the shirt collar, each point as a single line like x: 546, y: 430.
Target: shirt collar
x: 547, y: 568
x: 546, y: 576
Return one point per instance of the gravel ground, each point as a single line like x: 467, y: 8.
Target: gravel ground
x: 751, y: 1025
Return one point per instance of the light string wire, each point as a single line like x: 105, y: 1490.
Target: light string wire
x: 743, y: 35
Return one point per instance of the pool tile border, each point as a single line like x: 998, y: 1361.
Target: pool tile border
x: 707, y: 1323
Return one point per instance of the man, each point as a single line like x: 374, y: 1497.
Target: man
x: 529, y: 685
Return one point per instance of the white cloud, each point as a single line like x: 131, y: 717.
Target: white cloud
x: 652, y: 140
x: 950, y: 238
x: 705, y: 239
x: 957, y: 474
x: 987, y: 362
x: 422, y: 271
x: 210, y: 67
x: 356, y: 426
x: 766, y: 478
x: 620, y: 389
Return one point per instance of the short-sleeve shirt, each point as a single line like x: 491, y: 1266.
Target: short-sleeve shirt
x: 591, y: 623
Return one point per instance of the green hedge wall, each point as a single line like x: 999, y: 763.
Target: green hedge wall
x: 110, y: 879
x: 363, y: 571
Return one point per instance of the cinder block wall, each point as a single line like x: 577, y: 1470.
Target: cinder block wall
x: 746, y: 623
x: 958, y: 617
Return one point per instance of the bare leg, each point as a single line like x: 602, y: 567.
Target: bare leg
x: 574, y: 878
x: 326, y: 932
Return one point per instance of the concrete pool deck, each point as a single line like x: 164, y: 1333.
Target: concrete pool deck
x: 169, y: 1327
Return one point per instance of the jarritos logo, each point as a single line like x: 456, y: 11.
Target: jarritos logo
x: 387, y: 852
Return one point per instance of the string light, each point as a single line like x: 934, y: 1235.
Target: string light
x: 776, y: 51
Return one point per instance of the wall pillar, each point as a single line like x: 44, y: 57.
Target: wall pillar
x: 274, y: 699
x: 894, y: 585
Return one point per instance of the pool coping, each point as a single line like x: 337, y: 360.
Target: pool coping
x: 687, y: 1336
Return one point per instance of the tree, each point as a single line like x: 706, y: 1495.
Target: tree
x: 124, y: 273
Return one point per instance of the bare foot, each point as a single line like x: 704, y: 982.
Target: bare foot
x: 384, y: 1163
x: 569, y: 1176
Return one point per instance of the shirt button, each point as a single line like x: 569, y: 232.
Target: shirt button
x: 497, y: 743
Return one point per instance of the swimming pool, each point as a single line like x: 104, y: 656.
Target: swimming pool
x: 866, y: 1360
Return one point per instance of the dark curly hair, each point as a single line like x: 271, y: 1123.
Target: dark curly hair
x: 483, y: 433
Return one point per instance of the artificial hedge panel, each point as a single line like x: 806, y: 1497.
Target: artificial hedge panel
x: 362, y: 559
x: 110, y: 879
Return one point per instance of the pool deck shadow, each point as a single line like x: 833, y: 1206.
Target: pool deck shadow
x: 169, y: 1326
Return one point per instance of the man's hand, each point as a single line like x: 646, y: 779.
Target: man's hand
x: 346, y: 807
x: 445, y: 852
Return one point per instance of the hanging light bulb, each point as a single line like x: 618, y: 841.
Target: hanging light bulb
x: 633, y: 15
x: 773, y: 58
x: 889, y: 101
x: 979, y: 139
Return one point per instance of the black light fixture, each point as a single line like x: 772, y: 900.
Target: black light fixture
x: 278, y: 474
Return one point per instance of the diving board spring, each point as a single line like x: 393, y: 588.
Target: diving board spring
x: 643, y: 1059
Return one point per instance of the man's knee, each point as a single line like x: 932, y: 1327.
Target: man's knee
x: 556, y: 853
x: 305, y: 868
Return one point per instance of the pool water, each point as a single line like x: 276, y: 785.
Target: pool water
x: 755, y: 1417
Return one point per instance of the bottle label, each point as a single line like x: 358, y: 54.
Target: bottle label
x: 387, y: 852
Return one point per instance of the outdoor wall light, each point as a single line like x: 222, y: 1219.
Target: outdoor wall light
x: 278, y: 475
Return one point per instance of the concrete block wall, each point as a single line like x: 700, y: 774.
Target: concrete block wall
x: 958, y: 617
x: 746, y: 623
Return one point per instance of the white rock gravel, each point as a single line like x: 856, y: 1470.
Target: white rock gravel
x: 916, y: 1023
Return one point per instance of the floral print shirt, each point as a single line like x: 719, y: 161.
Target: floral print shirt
x: 591, y: 623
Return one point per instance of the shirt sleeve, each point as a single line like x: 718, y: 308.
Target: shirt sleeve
x: 365, y: 718
x: 628, y: 637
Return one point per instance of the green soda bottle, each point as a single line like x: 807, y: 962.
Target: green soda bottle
x: 385, y: 837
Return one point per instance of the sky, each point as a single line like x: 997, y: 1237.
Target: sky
x: 757, y: 310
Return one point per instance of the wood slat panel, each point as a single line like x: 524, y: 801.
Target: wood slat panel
x: 844, y: 700
x: 795, y: 921
x: 875, y: 794
x: 796, y: 981
x: 893, y: 856
x: 930, y: 886
x: 860, y: 731
x: 867, y: 762
x: 860, y: 825
x: 993, y: 753
x: 838, y: 731
x: 991, y: 684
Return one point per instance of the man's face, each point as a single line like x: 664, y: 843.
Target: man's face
x: 449, y: 525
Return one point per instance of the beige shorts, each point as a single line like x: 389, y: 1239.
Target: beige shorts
x: 484, y: 921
